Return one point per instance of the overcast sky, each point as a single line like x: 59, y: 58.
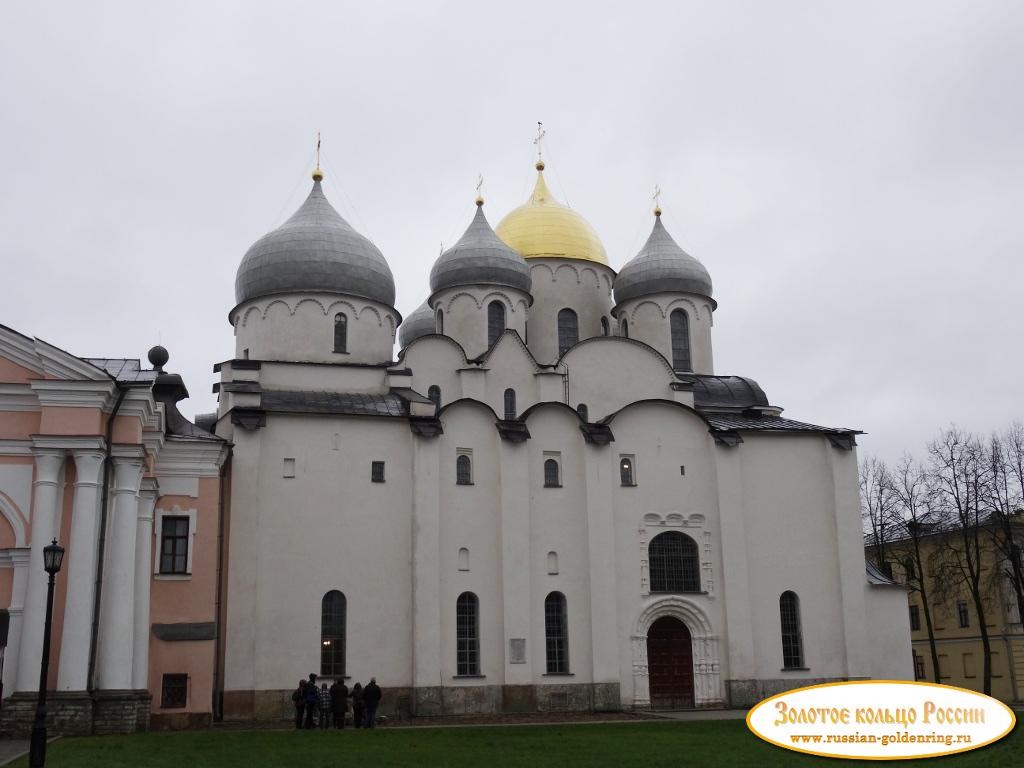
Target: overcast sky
x: 851, y: 174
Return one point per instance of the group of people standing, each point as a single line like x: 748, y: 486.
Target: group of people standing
x: 330, y: 705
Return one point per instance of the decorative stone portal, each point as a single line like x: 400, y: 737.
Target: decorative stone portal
x: 707, y: 677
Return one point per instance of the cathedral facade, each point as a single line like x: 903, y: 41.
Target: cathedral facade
x: 549, y: 500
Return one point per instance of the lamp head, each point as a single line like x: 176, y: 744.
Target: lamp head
x: 53, y: 557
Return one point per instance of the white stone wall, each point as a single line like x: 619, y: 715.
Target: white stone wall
x: 583, y: 286
x: 465, y: 313
x: 300, y: 327
x: 649, y: 322
x: 888, y: 626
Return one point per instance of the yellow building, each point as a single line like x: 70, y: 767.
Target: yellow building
x: 955, y: 620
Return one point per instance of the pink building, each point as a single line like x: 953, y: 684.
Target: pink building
x: 94, y: 453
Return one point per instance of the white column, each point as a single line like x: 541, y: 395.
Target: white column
x: 515, y: 561
x: 118, y: 600
x: 602, y: 467
x: 82, y: 546
x: 426, y: 551
x: 46, y: 499
x: 143, y: 580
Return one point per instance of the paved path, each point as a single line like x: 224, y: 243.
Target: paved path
x: 704, y: 714
x: 11, y: 749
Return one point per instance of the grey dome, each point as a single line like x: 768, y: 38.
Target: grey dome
x: 661, y: 267
x: 315, y: 250
x: 480, y: 258
x: 419, y: 323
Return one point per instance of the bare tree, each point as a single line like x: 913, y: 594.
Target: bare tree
x: 959, y: 473
x: 877, y: 500
x: 1005, y: 502
x: 913, y: 520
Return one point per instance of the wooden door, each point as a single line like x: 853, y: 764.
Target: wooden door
x: 670, y: 664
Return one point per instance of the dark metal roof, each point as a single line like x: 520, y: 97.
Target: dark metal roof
x: 480, y: 257
x: 315, y: 250
x: 347, y: 403
x: 733, y: 392
x: 735, y: 421
x: 419, y: 323
x: 126, y: 371
x: 661, y: 267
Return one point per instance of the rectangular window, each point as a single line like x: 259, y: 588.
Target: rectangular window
x: 174, y: 535
x: 289, y: 468
x: 943, y: 664
x: 962, y: 614
x: 969, y: 665
x: 174, y: 692
x: 377, y: 471
x: 918, y: 666
x: 915, y: 618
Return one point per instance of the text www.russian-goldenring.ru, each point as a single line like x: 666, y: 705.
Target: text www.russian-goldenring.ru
x: 885, y: 739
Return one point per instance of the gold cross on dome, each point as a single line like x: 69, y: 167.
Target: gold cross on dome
x: 541, y: 133
x: 657, y: 196
x: 479, y: 184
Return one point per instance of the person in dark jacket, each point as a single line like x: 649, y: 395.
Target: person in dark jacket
x: 299, y: 700
x: 339, y: 702
x: 357, y: 705
x: 312, y: 699
x: 371, y: 699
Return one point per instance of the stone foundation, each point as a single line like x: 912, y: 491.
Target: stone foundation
x: 434, y: 701
x: 746, y: 693
x: 77, y: 713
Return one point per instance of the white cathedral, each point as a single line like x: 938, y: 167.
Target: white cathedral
x: 550, y: 501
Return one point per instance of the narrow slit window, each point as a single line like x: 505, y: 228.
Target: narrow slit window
x: 679, y: 323
x: 625, y: 328
x: 463, y: 470
x: 495, y: 321
x: 626, y: 471
x: 583, y: 411
x: 605, y: 328
x: 510, y: 404
x: 333, y: 609
x: 434, y: 395
x: 467, y: 635
x: 556, y: 634
x: 377, y: 471
x: 551, y: 479
x: 341, y: 333
x: 568, y: 330
x: 440, y: 321
x: 792, y: 641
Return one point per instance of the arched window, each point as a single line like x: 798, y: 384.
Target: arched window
x: 556, y: 634
x: 463, y: 559
x: 792, y: 642
x: 568, y: 330
x: 674, y: 563
x: 495, y: 321
x: 467, y: 635
x: 332, y: 634
x: 679, y: 323
x: 440, y: 321
x: 551, y: 474
x: 510, y: 404
x: 605, y: 329
x: 340, y: 332
x: 583, y: 411
x: 434, y: 394
x: 463, y: 470
x: 625, y: 328
x: 626, y: 471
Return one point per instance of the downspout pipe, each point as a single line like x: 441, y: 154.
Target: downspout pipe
x: 218, y: 643
x: 104, y: 497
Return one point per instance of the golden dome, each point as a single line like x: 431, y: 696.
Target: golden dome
x: 542, y: 226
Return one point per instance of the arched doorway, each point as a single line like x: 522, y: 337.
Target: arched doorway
x: 670, y: 664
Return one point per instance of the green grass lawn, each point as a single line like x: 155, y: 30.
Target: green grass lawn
x: 643, y: 745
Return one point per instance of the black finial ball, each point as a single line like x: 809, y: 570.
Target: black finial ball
x: 158, y: 357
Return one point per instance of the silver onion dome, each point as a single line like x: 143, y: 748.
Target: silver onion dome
x: 315, y: 250
x: 419, y: 323
x: 661, y: 266
x: 480, y: 258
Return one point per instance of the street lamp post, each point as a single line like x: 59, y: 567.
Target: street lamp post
x: 53, y: 556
